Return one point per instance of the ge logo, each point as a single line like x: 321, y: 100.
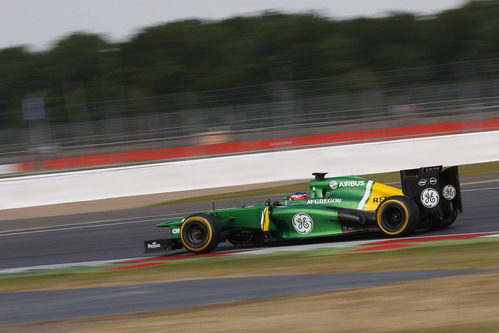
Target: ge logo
x: 449, y: 192
x: 333, y: 184
x: 430, y: 198
x: 303, y: 223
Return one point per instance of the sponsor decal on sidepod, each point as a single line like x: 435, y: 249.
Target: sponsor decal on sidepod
x: 323, y: 201
x: 353, y: 183
x: 303, y: 223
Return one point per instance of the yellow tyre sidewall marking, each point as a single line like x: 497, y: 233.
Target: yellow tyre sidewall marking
x: 381, y: 209
x: 202, y: 220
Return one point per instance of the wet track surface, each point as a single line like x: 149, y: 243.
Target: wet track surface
x: 120, y: 234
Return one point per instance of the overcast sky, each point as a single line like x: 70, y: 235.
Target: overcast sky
x: 40, y: 23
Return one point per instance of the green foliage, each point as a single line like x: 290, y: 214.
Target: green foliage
x: 195, y: 55
x: 15, y: 80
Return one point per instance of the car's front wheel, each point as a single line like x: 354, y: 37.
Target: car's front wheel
x: 200, y: 233
x: 397, y: 216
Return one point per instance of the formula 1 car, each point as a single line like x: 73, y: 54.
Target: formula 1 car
x: 430, y: 198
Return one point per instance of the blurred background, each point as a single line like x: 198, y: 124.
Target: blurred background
x: 269, y: 75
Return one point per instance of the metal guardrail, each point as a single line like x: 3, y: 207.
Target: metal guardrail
x: 281, y: 109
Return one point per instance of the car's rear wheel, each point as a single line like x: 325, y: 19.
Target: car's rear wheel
x: 445, y: 222
x: 397, y: 216
x: 200, y: 233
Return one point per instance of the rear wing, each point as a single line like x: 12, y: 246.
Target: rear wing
x: 435, y: 190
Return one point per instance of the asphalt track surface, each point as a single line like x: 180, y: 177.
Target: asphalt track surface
x: 120, y: 234
x: 25, y: 307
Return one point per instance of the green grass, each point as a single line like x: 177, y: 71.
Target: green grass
x: 468, y: 255
x: 465, y: 303
x: 486, y: 327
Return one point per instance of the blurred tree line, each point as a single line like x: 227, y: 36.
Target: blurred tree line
x: 194, y: 55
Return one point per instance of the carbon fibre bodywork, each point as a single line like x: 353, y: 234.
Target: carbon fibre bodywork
x: 430, y: 197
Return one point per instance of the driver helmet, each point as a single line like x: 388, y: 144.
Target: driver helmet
x: 298, y: 196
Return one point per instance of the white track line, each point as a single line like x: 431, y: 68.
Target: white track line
x: 481, y: 189
x: 78, y: 227
x: 356, y: 243
x: 252, y: 252
x: 67, y: 265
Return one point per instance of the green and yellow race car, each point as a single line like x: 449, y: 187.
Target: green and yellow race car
x: 430, y: 198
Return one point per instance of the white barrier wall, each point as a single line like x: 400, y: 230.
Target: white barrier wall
x: 248, y: 169
x: 8, y: 168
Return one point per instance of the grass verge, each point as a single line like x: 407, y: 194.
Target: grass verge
x: 453, y: 304
x: 468, y: 303
x: 475, y: 255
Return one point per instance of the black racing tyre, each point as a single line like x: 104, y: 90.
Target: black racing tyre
x: 244, y: 237
x: 397, y: 216
x: 200, y: 233
x: 444, y: 223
